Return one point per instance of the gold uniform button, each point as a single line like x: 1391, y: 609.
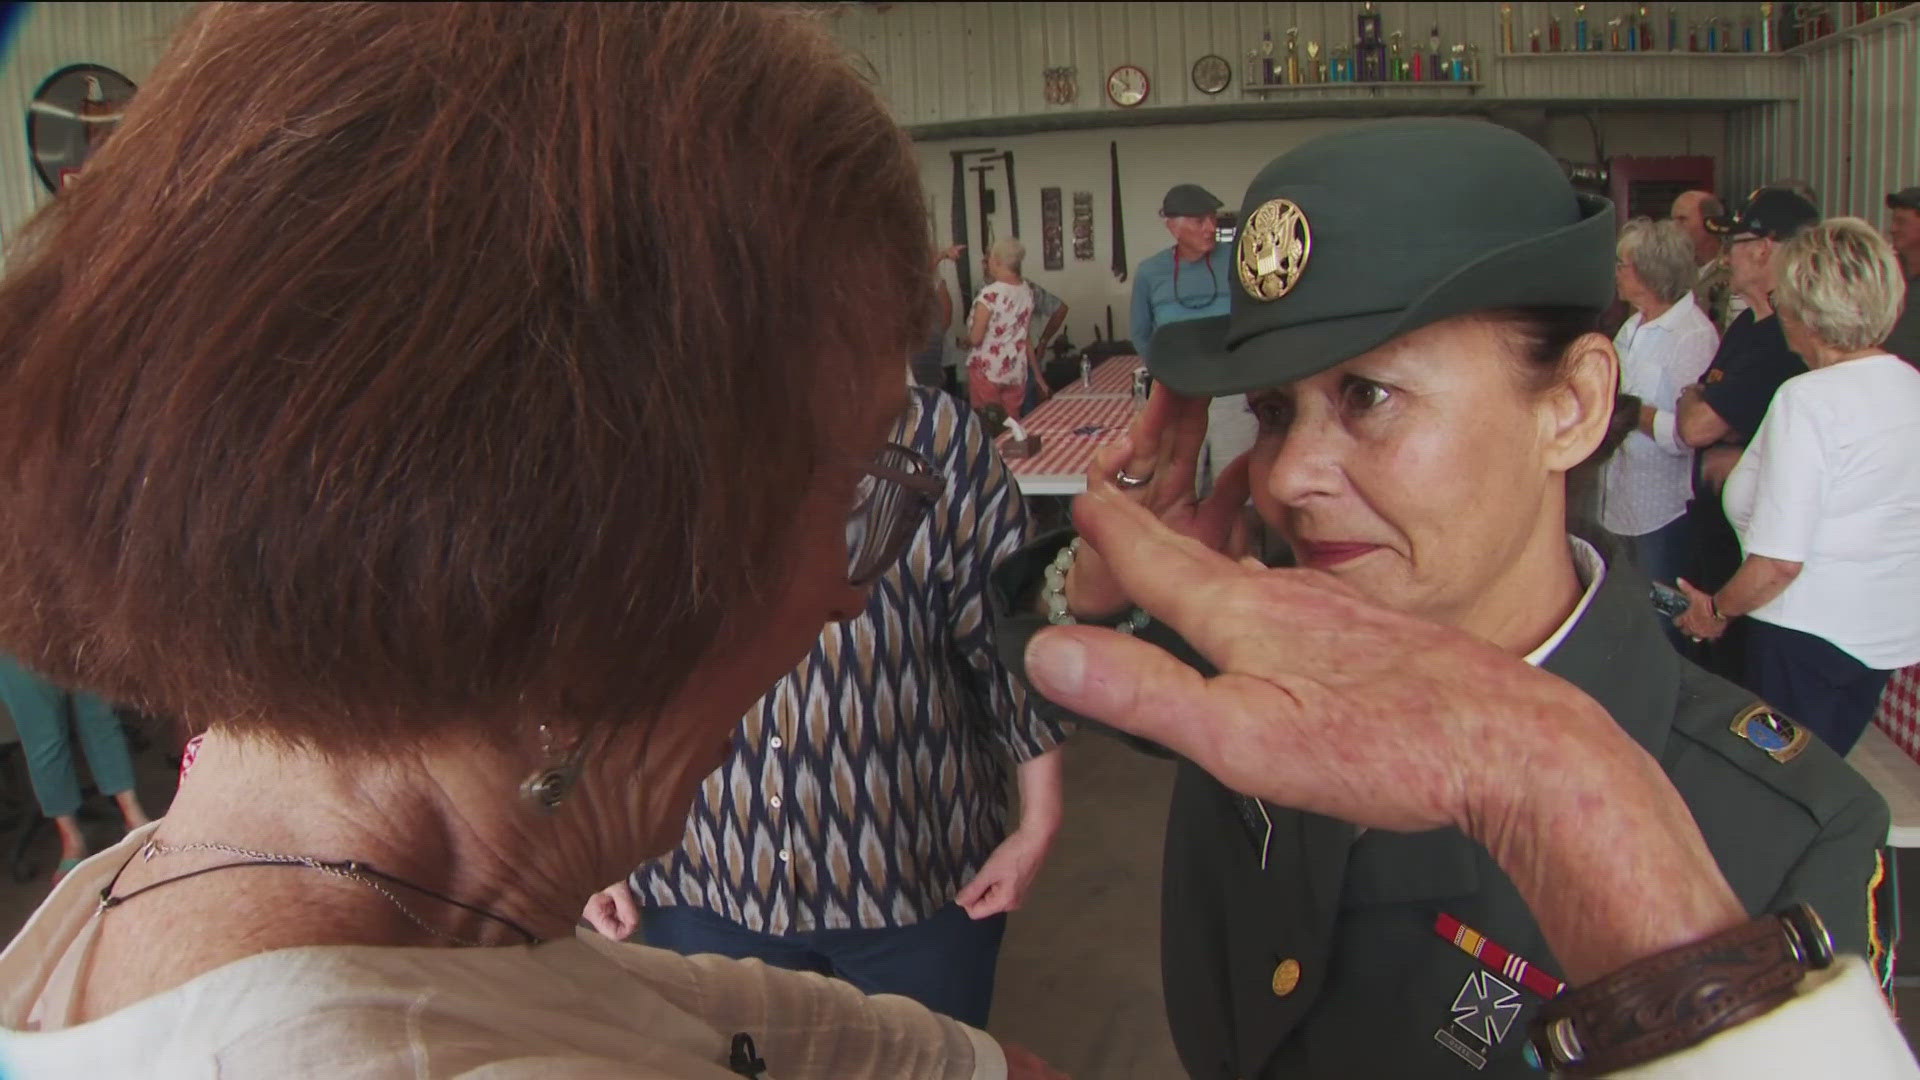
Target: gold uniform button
x: 1286, y: 976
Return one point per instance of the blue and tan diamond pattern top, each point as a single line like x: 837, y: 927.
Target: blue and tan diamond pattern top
x: 872, y: 782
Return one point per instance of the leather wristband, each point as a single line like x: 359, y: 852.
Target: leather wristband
x: 1667, y: 1002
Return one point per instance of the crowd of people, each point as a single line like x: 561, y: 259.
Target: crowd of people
x: 510, y: 586
x: 1771, y: 477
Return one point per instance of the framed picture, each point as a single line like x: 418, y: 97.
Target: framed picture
x: 70, y: 116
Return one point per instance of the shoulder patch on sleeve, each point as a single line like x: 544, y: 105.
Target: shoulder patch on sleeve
x: 1760, y: 725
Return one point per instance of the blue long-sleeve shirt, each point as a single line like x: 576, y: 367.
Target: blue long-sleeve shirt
x: 1202, y: 289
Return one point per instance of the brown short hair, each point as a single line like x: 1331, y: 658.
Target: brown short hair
x: 404, y: 365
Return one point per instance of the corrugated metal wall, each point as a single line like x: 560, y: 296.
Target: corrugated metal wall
x: 1855, y: 134
x: 125, y: 37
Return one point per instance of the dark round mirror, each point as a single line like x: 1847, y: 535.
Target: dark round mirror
x: 71, y: 114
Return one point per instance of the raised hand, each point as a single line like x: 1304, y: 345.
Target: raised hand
x: 1162, y: 448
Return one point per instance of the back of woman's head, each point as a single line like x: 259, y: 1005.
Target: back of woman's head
x: 399, y: 365
x: 1661, y: 255
x: 1842, y: 279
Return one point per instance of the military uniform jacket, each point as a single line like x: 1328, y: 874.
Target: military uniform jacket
x: 1295, y: 945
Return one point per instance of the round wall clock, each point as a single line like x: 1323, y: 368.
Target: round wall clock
x: 1127, y: 86
x: 1212, y: 74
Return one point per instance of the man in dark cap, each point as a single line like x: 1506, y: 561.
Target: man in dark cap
x: 1189, y: 281
x: 1903, y: 229
x: 1413, y: 304
x: 1718, y: 415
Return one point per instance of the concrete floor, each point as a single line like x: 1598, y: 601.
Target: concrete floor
x: 1079, y: 979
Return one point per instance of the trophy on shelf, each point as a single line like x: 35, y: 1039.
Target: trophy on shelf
x: 1580, y: 43
x: 1533, y: 40
x: 1396, y: 63
x: 1266, y: 57
x: 1766, y: 28
x: 1646, y: 29
x: 1613, y: 33
x: 1436, y: 60
x: 1553, y: 34
x: 1369, y: 50
x: 1506, y: 28
x: 1316, y: 65
x: 1293, y: 55
x: 1673, y: 29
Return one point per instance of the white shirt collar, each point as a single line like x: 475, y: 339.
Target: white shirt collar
x: 1592, y: 570
x: 1674, y: 315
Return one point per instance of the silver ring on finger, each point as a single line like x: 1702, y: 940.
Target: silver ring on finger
x: 1126, y: 482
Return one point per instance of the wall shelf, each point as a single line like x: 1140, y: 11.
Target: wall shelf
x: 1909, y: 14
x: 1429, y: 84
x: 1647, y: 54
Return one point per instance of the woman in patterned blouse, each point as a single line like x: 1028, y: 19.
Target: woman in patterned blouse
x: 869, y: 787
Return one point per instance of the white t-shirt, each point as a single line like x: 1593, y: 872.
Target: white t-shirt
x: 1648, y: 481
x: 572, y: 1009
x: 1832, y: 481
x: 1002, y: 353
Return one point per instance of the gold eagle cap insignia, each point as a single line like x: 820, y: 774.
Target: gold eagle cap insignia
x: 1273, y: 249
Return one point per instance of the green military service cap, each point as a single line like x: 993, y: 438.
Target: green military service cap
x: 1354, y: 238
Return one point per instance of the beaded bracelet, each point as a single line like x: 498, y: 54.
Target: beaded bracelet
x: 1055, y: 594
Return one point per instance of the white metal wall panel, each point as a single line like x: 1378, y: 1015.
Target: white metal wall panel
x: 125, y: 37
x: 1855, y: 133
x: 1887, y: 94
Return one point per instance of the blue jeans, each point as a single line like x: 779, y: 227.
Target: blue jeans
x: 1663, y: 555
x: 944, y: 962
x: 39, y: 711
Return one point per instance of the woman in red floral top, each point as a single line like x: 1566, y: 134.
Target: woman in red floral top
x: 997, y: 332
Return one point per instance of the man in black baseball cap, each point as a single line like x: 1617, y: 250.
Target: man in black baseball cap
x: 1773, y: 213
x: 1903, y: 229
x: 1718, y: 416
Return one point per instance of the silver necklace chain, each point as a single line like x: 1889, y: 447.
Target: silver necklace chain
x: 347, y: 869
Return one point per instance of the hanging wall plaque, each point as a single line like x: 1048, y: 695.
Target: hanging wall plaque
x: 1052, y: 249
x: 70, y: 116
x: 1083, y: 225
x: 1062, y: 85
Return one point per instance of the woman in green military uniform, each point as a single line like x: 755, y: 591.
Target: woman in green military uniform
x: 1412, y: 321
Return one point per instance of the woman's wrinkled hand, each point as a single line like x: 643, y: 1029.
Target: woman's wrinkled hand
x: 612, y: 911
x: 1325, y: 701
x: 1698, y: 622
x: 1162, y: 447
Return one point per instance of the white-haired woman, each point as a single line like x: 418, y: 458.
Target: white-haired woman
x: 1002, y: 355
x: 1664, y: 346
x: 1826, y: 499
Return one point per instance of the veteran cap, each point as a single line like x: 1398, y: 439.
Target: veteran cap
x: 1188, y: 200
x: 1354, y: 238
x: 1771, y: 214
x: 1904, y: 199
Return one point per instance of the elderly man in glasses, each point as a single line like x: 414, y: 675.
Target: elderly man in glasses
x: 861, y: 827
